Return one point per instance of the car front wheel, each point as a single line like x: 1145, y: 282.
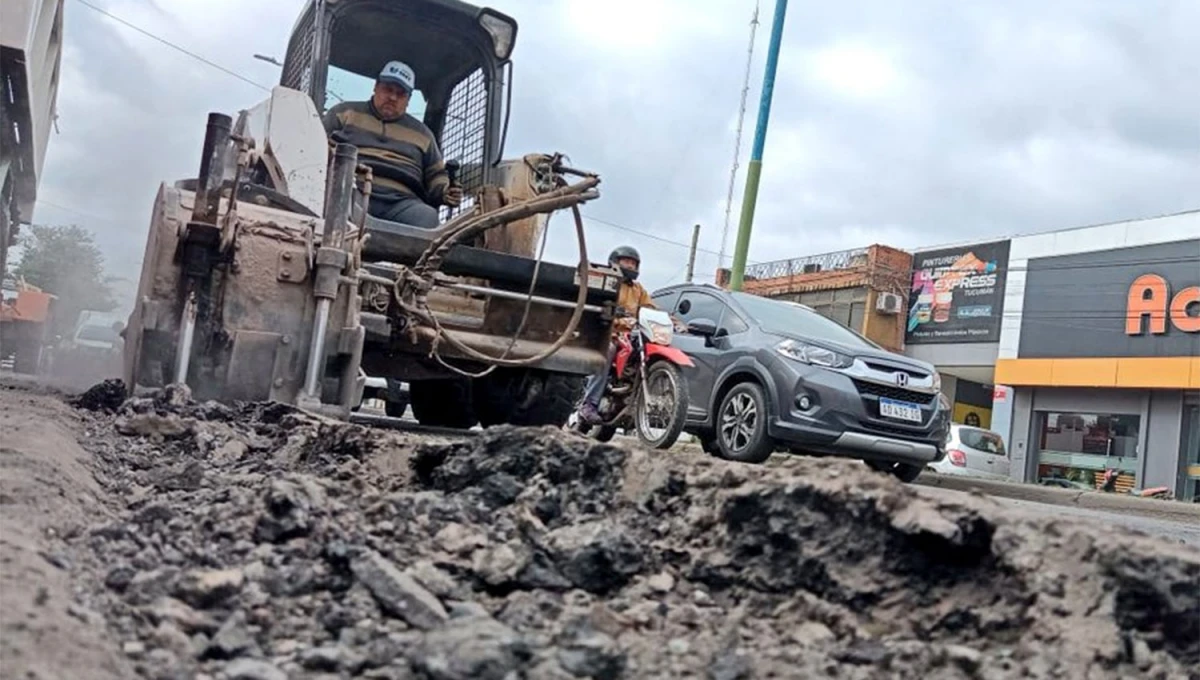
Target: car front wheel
x: 742, y: 425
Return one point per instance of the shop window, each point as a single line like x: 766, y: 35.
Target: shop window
x: 1190, y: 455
x: 857, y: 312
x: 846, y: 306
x: 1077, y: 449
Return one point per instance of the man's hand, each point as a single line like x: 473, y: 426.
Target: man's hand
x: 454, y: 196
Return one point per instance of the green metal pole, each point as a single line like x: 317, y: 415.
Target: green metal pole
x: 754, y: 171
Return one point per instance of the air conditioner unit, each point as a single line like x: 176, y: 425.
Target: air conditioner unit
x: 887, y: 303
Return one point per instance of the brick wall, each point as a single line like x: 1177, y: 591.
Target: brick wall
x: 886, y: 269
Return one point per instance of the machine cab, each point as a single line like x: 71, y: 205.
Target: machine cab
x: 460, y: 54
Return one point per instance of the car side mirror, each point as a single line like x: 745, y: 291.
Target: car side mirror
x: 704, y: 327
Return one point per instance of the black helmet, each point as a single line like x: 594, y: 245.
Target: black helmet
x: 622, y: 252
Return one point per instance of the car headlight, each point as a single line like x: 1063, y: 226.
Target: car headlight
x: 937, y: 381
x: 943, y: 401
x: 812, y: 354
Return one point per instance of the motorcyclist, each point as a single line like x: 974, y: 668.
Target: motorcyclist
x: 631, y: 297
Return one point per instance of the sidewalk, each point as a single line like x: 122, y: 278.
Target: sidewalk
x: 1094, y: 500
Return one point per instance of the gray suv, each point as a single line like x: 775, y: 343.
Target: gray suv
x: 775, y: 375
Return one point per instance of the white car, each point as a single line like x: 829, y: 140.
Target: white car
x: 973, y: 452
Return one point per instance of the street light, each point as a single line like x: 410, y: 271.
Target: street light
x: 269, y: 60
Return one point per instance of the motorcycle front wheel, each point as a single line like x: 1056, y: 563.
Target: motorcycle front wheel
x: 660, y: 418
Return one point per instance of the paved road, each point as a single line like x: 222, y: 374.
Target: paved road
x: 1176, y: 531
x: 1181, y: 532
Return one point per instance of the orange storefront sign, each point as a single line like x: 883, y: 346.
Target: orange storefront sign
x: 1150, y: 299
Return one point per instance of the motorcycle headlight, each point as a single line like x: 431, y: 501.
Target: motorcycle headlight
x: 812, y: 354
x: 659, y: 333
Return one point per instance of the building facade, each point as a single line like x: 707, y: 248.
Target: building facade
x: 1080, y: 347
x: 863, y: 289
x: 1098, y: 362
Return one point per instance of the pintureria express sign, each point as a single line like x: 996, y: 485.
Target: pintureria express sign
x: 957, y: 294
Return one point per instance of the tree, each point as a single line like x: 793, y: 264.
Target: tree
x: 64, y: 261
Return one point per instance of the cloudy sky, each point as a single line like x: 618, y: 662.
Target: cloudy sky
x: 903, y: 123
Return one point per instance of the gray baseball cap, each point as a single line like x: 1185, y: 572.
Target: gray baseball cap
x: 399, y: 73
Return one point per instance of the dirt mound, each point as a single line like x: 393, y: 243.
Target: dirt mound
x: 262, y: 542
x: 105, y: 396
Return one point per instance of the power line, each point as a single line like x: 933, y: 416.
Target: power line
x: 251, y: 82
x: 655, y: 237
x: 719, y: 255
x: 77, y: 211
x: 737, y: 144
x: 172, y: 45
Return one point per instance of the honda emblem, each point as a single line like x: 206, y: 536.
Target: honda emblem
x: 902, y: 379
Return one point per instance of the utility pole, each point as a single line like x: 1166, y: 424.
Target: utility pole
x: 692, y: 255
x: 754, y: 171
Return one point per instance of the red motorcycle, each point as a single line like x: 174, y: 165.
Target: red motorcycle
x: 646, y: 390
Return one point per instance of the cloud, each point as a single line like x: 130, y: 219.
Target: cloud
x: 892, y: 123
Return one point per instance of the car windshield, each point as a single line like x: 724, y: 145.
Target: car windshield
x: 790, y: 318
x: 98, y: 334
x: 981, y: 440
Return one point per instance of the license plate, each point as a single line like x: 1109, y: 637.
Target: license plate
x: 900, y: 410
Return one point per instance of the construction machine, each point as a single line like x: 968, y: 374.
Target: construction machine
x: 26, y: 311
x: 265, y: 278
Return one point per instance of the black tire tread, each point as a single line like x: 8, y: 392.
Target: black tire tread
x: 679, y: 417
x: 434, y: 403
x: 503, y: 398
x: 759, y: 450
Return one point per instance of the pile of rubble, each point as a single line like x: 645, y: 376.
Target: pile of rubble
x: 262, y: 543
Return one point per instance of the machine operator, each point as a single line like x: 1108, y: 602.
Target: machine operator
x: 410, y: 178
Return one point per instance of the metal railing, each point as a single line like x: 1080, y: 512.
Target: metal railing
x: 825, y: 262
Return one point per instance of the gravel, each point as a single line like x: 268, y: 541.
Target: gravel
x: 259, y: 542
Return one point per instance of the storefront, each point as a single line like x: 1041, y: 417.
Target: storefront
x: 955, y: 307
x: 1100, y: 355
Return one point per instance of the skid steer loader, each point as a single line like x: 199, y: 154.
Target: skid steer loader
x: 264, y: 277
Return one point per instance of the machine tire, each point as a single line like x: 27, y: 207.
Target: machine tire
x: 395, y: 400
x: 25, y: 354
x: 905, y: 472
x: 395, y: 408
x: 759, y: 447
x: 442, y: 403
x: 527, y: 398
x: 678, y: 409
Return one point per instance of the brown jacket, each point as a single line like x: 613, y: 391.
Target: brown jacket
x: 632, y: 297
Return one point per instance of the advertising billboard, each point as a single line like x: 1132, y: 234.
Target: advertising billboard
x: 957, y: 294
x: 1141, y: 301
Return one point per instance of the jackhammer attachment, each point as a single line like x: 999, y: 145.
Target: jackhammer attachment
x: 244, y: 301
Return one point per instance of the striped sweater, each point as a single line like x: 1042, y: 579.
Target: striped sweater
x: 402, y: 153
